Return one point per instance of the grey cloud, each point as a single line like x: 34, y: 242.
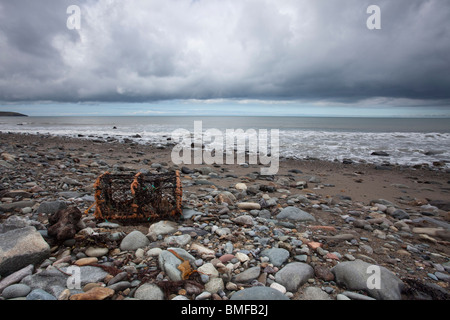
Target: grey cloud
x: 236, y: 49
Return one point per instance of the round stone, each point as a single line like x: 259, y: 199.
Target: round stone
x: 39, y: 294
x: 214, y: 285
x: 258, y: 293
x: 15, y: 291
x: 96, y: 252
x: 134, y: 241
x: 149, y: 291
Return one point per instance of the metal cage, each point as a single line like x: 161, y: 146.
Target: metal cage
x: 140, y: 197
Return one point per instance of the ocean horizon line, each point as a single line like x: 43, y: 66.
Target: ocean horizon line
x: 238, y: 116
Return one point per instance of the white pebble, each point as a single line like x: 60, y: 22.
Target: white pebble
x: 278, y: 287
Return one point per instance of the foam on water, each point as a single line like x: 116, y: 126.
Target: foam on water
x: 403, y: 147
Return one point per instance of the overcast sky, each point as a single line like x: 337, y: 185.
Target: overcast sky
x: 213, y: 52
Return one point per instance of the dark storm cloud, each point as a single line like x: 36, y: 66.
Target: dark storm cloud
x: 227, y: 49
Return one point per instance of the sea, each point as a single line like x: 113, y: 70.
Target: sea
x: 403, y: 141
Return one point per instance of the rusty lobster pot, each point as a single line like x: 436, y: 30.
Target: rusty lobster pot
x: 138, y: 197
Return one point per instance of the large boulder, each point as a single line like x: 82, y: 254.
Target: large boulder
x: 21, y: 247
x: 377, y: 281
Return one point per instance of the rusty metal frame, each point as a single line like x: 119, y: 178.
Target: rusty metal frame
x: 140, y: 197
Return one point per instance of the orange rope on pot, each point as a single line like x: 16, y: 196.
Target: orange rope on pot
x: 97, y: 195
x: 178, y: 193
x: 135, y: 184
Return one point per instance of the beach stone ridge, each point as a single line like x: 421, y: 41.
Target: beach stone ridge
x: 319, y: 233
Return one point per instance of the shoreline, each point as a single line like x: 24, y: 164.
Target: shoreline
x: 340, y: 176
x: 382, y: 163
x: 378, y: 209
x: 358, y: 144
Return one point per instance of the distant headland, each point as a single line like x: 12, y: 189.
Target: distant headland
x: 11, y: 114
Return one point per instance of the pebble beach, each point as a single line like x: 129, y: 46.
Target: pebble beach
x: 313, y: 231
